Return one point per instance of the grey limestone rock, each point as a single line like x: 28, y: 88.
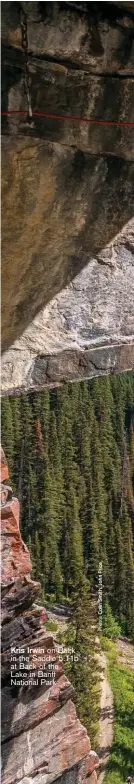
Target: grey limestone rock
x: 87, y: 330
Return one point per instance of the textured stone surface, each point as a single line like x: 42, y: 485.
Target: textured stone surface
x: 50, y: 750
x: 4, y: 467
x: 28, y: 713
x: 87, y: 330
x: 42, y: 738
x: 15, y: 555
x: 67, y: 187
x: 72, y: 205
x: 16, y: 594
x: 96, y: 38
x: 93, y: 778
x: 60, y: 90
x: 54, y: 747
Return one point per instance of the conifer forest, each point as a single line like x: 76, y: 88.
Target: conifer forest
x: 71, y: 459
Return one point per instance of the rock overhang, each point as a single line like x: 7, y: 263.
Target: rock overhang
x: 87, y: 330
x: 67, y: 186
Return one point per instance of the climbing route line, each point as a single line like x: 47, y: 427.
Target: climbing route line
x: 117, y: 123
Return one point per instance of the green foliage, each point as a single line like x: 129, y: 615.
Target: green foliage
x: 7, y: 433
x: 84, y: 670
x: 50, y: 599
x: 109, y: 648
x: 71, y: 462
x: 111, y: 628
x: 51, y: 626
x: 121, y: 761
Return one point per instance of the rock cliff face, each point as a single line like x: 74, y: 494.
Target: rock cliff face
x: 67, y: 186
x: 42, y: 738
x: 87, y: 330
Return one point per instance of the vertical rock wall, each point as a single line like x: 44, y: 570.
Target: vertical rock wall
x: 42, y: 738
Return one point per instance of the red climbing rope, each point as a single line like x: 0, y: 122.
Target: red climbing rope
x: 117, y: 123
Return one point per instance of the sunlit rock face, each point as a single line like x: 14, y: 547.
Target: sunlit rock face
x: 87, y: 330
x: 42, y: 738
x: 67, y: 187
x: 4, y: 467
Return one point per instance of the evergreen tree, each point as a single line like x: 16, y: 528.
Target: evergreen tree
x: 99, y: 496
x: 85, y: 670
x: 129, y: 565
x: 27, y: 480
x: 37, y: 557
x: 120, y: 579
x: 57, y: 474
x: 18, y: 444
x: 71, y: 463
x: 72, y: 546
x: 7, y: 433
x: 110, y: 626
x: 111, y: 551
x: 56, y: 577
x: 30, y: 545
x: 131, y: 454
